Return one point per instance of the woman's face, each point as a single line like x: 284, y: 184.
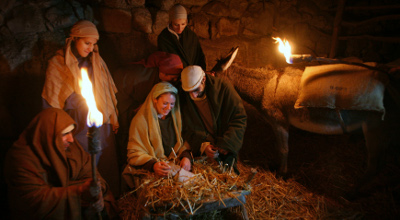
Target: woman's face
x: 164, y: 103
x: 178, y: 25
x: 85, y: 45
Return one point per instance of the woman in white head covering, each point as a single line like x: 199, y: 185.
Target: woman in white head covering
x: 178, y: 39
x: 155, y: 133
x: 62, y: 90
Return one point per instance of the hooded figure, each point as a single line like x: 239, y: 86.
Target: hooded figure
x: 62, y: 90
x: 46, y: 175
x: 155, y: 134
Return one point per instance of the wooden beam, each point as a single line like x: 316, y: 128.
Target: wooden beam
x: 369, y: 37
x: 371, y: 20
x: 336, y: 27
x: 372, y: 8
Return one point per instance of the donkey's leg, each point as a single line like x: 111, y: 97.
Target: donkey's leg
x: 282, y: 140
x: 375, y: 142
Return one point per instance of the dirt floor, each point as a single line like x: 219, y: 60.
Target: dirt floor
x: 328, y: 166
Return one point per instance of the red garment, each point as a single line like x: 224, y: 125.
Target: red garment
x: 42, y: 177
x: 167, y: 63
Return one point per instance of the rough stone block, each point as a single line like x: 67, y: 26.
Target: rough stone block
x: 114, y: 20
x: 26, y: 19
x: 142, y: 20
x: 161, y: 22
x: 201, y: 25
x: 228, y: 27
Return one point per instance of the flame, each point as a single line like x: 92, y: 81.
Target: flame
x: 95, y: 117
x: 284, y: 47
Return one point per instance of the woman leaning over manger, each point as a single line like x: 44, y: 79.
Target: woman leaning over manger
x: 155, y: 135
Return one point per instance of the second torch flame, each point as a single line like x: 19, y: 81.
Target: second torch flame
x: 95, y: 117
x: 284, y: 47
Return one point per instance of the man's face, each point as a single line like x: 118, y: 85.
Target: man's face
x: 67, y: 139
x: 178, y: 25
x: 199, y: 91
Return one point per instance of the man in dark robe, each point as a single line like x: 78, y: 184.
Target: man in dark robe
x: 48, y: 174
x: 213, y: 116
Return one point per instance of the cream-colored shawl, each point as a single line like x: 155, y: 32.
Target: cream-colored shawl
x: 63, y: 75
x: 145, y: 140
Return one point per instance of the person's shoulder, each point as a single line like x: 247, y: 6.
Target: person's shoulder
x: 58, y: 59
x: 189, y: 32
x: 217, y: 80
x: 164, y: 33
x: 220, y: 84
x: 59, y: 54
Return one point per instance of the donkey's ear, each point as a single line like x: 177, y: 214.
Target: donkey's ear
x: 224, y: 63
x: 230, y: 58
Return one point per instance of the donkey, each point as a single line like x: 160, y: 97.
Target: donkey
x: 274, y: 94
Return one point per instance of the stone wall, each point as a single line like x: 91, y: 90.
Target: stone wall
x: 31, y: 32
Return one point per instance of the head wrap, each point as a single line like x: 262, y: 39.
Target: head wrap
x: 163, y: 87
x: 167, y: 63
x: 68, y: 129
x: 84, y: 29
x: 61, y: 82
x: 191, y: 77
x: 177, y: 12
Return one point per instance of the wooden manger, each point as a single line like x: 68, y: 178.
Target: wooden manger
x: 213, y: 187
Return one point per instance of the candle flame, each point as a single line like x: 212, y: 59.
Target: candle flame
x: 284, y: 47
x: 95, y: 117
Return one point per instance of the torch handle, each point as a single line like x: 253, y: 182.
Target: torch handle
x: 94, y: 148
x: 93, y: 156
x: 94, y: 176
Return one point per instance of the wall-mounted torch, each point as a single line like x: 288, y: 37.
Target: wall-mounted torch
x: 285, y: 48
x: 94, y: 121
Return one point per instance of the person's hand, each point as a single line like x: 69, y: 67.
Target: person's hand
x: 161, y: 169
x: 95, y: 207
x: 211, y: 151
x: 115, y: 128
x: 212, y: 73
x: 185, y: 164
x: 98, y: 205
x: 95, y: 189
x: 90, y: 190
x: 223, y: 151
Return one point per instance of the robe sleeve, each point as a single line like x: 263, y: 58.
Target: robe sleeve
x: 31, y: 191
x: 139, y: 146
x: 236, y: 118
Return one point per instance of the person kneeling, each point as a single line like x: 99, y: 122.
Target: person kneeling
x: 155, y: 135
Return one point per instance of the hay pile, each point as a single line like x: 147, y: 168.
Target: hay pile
x: 270, y: 198
x: 162, y: 196
x: 273, y: 198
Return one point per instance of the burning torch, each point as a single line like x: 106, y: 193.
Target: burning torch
x: 286, y: 50
x: 94, y: 121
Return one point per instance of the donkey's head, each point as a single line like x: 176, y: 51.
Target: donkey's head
x: 225, y: 62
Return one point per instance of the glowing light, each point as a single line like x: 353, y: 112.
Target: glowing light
x: 95, y: 117
x: 284, y: 48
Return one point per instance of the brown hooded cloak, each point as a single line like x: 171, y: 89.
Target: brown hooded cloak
x: 42, y: 177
